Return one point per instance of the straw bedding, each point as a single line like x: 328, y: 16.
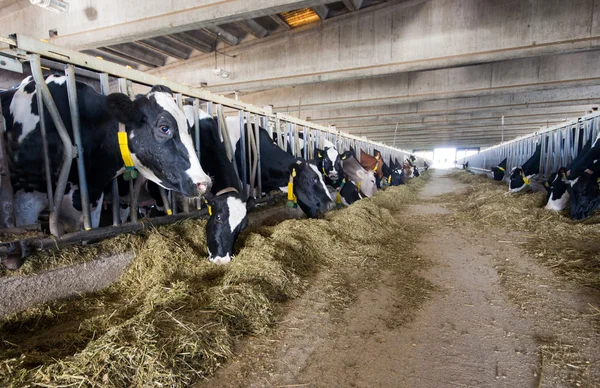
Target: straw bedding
x: 570, y: 248
x: 173, y: 316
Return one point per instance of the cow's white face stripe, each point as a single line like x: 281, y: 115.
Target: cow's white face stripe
x: 237, y: 212
x: 316, y: 170
x: 166, y: 101
x: 558, y: 204
x: 20, y: 109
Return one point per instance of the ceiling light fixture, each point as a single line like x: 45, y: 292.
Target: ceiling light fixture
x: 57, y: 6
x: 221, y: 73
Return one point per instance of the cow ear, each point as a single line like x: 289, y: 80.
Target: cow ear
x: 161, y: 89
x: 319, y: 153
x: 345, y: 155
x: 123, y: 108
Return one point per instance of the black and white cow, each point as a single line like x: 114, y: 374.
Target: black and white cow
x: 229, y: 213
x: 159, y: 142
x: 391, y: 175
x: 499, y: 171
x: 329, y: 163
x: 357, y: 173
x: 416, y: 172
x: 520, y: 176
x: 584, y: 179
x: 558, y: 184
x: 425, y: 165
x: 276, y: 168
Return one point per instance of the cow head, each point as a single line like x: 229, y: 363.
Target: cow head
x: 160, y: 144
x: 309, y: 188
x: 518, y: 180
x: 585, y: 195
x: 328, y: 162
x: 227, y: 220
x: 557, y: 187
x: 498, y: 173
x: 416, y: 172
x: 366, y: 178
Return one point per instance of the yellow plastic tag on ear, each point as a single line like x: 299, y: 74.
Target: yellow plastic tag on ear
x: 375, y: 168
x: 501, y: 169
x: 169, y: 212
x: 389, y: 179
x: 324, y: 173
x: 293, y: 172
x: 547, y: 184
x: 358, y: 185
x: 319, y: 155
x: 338, y: 198
x: 526, y: 180
x: 209, y: 210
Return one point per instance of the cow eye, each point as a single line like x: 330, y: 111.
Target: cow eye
x: 165, y: 129
x: 218, y: 217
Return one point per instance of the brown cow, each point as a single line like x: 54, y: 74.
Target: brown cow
x: 374, y: 163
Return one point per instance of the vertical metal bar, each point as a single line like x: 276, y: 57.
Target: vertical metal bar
x: 209, y: 108
x: 7, y: 209
x: 115, y: 205
x: 36, y: 71
x: 133, y: 206
x: 45, y: 152
x: 297, y: 152
x: 306, y: 142
x: 258, y: 169
x: 185, y: 202
x: 196, y: 109
x: 279, y: 133
x: 243, y: 155
x: 76, y: 127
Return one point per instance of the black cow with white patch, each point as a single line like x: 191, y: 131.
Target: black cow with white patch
x: 558, y: 184
x: 499, y: 171
x: 277, y: 166
x: 328, y: 161
x: 229, y: 213
x: 159, y: 142
x: 584, y: 179
x: 520, y: 176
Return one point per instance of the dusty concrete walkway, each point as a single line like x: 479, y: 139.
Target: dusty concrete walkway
x: 477, y: 330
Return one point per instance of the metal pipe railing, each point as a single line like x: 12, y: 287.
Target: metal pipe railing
x: 76, y: 128
x: 7, y: 209
x: 68, y: 151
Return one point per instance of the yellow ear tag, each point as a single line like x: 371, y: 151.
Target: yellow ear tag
x: 526, y: 180
x: 546, y: 184
x: 319, y: 155
x: 358, y: 186
x: 210, y: 210
x: 500, y: 168
x: 375, y: 168
x: 389, y: 179
x: 324, y: 173
x: 338, y: 198
x: 291, y: 196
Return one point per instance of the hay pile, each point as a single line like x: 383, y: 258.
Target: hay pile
x: 173, y: 317
x: 570, y: 248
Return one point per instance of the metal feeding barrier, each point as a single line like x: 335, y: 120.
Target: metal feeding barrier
x: 300, y: 136
x: 560, y: 144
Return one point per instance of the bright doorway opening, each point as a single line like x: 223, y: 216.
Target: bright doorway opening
x: 444, y: 157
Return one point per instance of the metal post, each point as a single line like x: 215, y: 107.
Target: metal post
x: 196, y: 109
x: 243, y: 157
x: 185, y: 202
x: 258, y: 169
x: 306, y: 142
x: 36, y: 71
x: 7, y: 210
x: 116, y: 213
x: 45, y: 152
x: 75, y: 125
x: 133, y: 209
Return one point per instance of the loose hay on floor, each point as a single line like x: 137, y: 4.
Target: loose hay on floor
x: 569, y: 248
x: 174, y: 316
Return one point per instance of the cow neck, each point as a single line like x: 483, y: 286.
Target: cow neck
x: 130, y: 172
